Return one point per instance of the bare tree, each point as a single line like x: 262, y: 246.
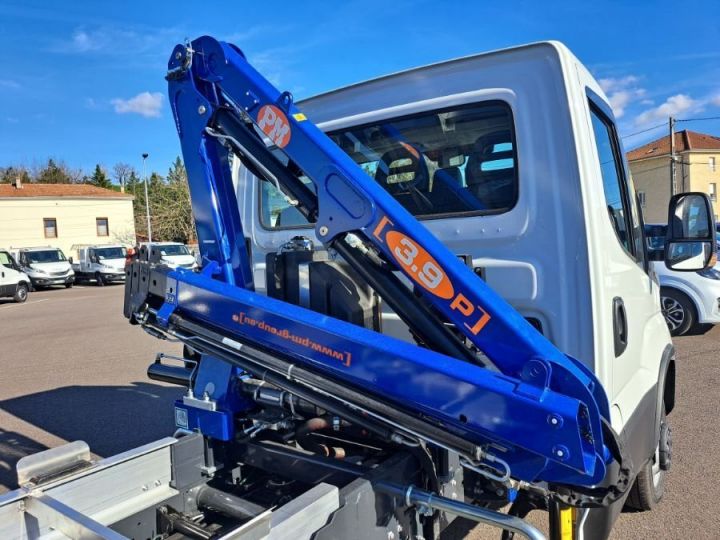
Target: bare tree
x: 122, y: 173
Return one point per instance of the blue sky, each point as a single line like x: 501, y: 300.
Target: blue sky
x: 82, y: 81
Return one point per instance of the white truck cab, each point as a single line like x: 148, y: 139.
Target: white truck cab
x: 513, y: 160
x: 102, y: 264
x: 14, y: 283
x: 174, y: 254
x: 46, y: 266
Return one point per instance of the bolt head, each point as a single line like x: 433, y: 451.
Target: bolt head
x: 178, y: 55
x: 202, y: 109
x: 561, y: 452
x: 391, y: 535
x: 323, y: 231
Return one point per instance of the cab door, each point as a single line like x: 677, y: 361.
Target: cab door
x: 631, y: 331
x: 8, y: 274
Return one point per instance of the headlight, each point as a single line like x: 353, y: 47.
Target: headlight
x: 37, y: 271
x: 710, y: 273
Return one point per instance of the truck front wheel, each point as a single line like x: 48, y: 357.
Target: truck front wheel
x: 99, y: 281
x: 21, y: 293
x: 649, y: 486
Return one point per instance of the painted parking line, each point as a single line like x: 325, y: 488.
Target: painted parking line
x: 27, y: 303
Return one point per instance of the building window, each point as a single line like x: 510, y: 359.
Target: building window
x: 641, y: 198
x: 711, y: 163
x: 101, y: 224
x: 50, y: 226
x: 712, y: 191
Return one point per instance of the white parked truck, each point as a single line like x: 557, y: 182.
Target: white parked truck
x: 102, y: 264
x: 512, y: 160
x: 46, y: 266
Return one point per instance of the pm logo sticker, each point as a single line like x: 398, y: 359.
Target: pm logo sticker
x: 273, y: 123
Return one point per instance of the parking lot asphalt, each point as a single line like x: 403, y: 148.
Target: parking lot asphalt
x: 72, y: 368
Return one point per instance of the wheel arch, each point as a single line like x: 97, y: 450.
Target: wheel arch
x: 666, y: 386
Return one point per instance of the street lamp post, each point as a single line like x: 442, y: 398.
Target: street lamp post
x: 147, y: 200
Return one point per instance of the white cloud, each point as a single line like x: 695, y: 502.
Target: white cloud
x: 621, y: 92
x: 611, y: 84
x: 673, y: 106
x: 119, y: 41
x: 83, y: 42
x: 9, y: 83
x: 145, y: 104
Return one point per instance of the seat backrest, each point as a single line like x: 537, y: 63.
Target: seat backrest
x: 402, y: 164
x: 490, y: 171
x: 447, y: 175
x: 447, y: 186
x: 402, y: 170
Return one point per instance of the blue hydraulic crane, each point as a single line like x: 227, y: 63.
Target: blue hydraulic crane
x: 521, y: 410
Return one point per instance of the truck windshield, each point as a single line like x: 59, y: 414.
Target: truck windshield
x: 452, y: 161
x: 45, y: 256
x: 110, y: 253
x: 174, y: 249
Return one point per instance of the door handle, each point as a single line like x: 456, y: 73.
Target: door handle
x: 620, y: 326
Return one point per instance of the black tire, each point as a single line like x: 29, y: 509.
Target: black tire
x: 21, y: 293
x: 68, y: 285
x: 678, y: 310
x: 649, y: 486
x: 99, y: 281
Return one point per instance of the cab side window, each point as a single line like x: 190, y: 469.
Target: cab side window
x: 6, y: 261
x: 621, y: 208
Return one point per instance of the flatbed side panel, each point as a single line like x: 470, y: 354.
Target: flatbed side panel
x: 112, y: 490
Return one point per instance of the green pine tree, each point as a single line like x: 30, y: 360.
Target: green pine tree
x: 100, y: 179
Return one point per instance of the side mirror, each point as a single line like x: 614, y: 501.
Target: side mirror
x: 70, y: 260
x: 690, y: 241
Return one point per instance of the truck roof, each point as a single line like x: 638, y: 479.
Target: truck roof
x: 37, y: 248
x: 87, y: 246
x: 346, y: 105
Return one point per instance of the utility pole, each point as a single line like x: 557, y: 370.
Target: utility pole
x: 672, y: 155
x: 147, y: 200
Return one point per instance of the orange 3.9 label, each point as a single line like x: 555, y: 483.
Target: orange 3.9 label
x: 424, y: 270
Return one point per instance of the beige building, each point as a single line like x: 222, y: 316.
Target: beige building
x: 697, y: 168
x: 64, y: 215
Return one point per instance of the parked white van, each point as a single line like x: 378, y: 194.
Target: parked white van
x: 14, y: 283
x: 174, y: 254
x: 46, y: 266
x: 102, y: 264
x: 688, y: 299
